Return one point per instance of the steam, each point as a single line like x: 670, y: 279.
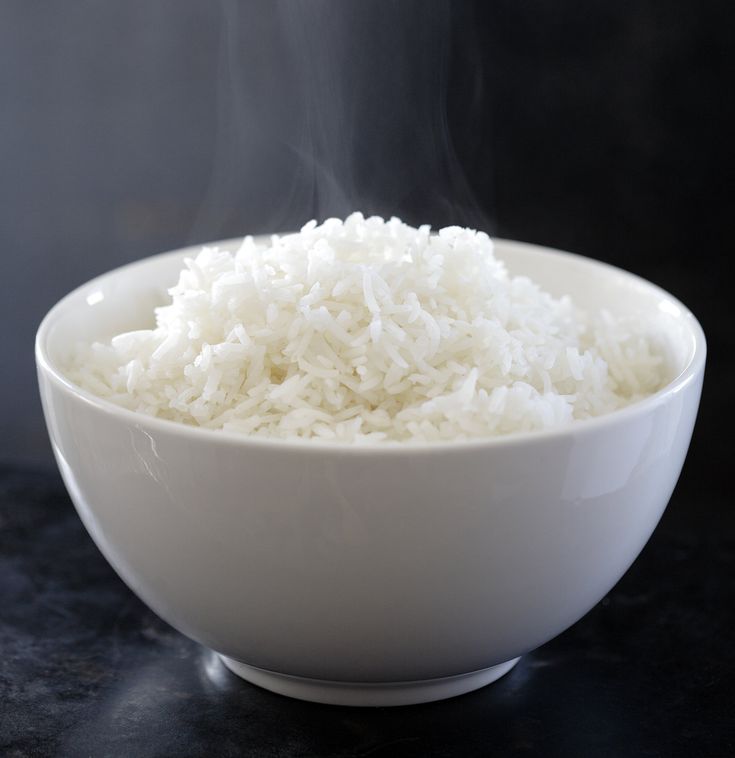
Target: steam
x: 327, y: 107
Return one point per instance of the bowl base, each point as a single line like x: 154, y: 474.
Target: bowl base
x: 376, y: 694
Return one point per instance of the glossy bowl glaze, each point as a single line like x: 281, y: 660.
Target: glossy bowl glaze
x: 369, y: 574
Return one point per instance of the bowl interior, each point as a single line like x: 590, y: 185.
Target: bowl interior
x: 124, y: 299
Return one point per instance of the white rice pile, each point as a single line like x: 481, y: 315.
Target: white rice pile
x: 369, y: 330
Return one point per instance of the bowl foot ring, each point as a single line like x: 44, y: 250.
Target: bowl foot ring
x: 371, y: 693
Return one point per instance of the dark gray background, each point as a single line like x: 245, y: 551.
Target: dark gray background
x: 128, y: 128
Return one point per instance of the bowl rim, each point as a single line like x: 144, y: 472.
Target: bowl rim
x: 693, y: 369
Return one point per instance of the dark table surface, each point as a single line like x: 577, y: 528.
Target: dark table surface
x: 87, y: 670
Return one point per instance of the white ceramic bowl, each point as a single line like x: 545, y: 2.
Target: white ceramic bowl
x: 370, y: 575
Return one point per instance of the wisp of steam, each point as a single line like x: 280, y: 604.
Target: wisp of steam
x: 326, y: 107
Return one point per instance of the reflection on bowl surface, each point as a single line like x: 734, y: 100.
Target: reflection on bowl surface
x: 363, y: 574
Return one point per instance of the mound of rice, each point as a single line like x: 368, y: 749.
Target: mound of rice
x: 366, y: 329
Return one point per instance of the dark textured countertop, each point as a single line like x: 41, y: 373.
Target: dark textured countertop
x: 87, y: 670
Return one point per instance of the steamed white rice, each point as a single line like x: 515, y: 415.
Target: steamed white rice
x: 366, y: 329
